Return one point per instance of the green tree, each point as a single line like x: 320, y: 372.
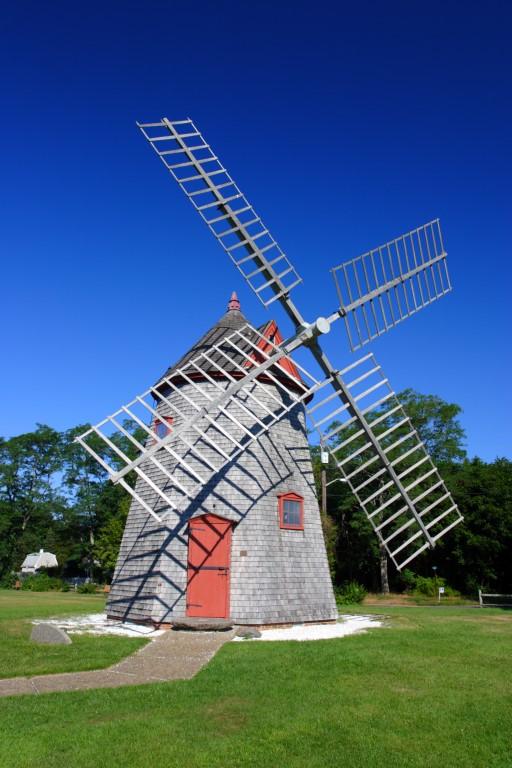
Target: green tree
x: 93, y: 500
x: 109, y: 537
x: 438, y: 425
x: 84, y: 480
x: 477, y: 552
x: 53, y: 494
x: 30, y: 499
x: 358, y: 554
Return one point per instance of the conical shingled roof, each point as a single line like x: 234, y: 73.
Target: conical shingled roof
x: 231, y: 321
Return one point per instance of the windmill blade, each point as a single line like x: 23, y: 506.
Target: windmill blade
x: 386, y: 285
x: 252, y: 383
x: 221, y: 204
x: 379, y: 453
x: 214, y: 408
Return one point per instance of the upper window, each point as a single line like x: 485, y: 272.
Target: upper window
x: 162, y: 426
x: 291, y: 511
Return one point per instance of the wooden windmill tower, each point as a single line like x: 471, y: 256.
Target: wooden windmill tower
x: 249, y: 545
x: 224, y: 520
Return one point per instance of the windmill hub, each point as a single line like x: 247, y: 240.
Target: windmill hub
x: 322, y: 325
x: 308, y: 332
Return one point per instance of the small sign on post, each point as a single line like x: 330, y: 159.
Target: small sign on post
x: 441, y: 592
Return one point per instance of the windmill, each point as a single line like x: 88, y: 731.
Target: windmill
x: 224, y: 401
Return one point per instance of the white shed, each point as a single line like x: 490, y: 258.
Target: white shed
x: 37, y: 560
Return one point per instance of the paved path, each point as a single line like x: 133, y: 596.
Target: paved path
x: 172, y: 656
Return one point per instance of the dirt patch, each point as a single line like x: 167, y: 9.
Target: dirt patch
x: 412, y: 601
x: 229, y: 714
x: 480, y: 618
x: 391, y: 599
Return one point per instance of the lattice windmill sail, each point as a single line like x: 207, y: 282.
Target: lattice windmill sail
x: 208, y: 428
x: 398, y: 485
x: 389, y: 283
x: 254, y: 383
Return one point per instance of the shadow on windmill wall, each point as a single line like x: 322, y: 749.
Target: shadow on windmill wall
x: 151, y: 580
x: 149, y: 564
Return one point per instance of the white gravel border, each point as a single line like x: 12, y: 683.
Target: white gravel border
x: 347, y: 625
x: 98, y: 624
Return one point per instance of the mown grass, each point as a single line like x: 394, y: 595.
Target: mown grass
x: 432, y: 690
x: 19, y: 656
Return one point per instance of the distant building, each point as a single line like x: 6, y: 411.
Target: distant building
x: 37, y: 560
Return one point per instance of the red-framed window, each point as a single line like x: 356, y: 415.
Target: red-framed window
x: 163, y: 426
x: 291, y: 511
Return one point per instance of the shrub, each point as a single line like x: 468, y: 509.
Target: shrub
x: 427, y: 586
x: 409, y: 579
x: 350, y: 593
x: 8, y: 581
x: 41, y: 582
x: 89, y: 588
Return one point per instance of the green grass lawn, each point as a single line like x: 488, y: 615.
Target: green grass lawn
x: 19, y: 656
x: 433, y: 690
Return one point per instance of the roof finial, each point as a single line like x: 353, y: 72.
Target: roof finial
x: 233, y: 303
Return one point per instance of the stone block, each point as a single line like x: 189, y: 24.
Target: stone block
x: 247, y: 633
x: 49, y: 634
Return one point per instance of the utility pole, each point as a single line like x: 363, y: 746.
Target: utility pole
x: 324, y: 458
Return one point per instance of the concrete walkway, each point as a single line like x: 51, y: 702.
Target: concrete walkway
x: 172, y: 656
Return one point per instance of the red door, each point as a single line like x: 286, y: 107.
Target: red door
x: 209, y: 551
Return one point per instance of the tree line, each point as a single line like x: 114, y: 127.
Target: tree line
x: 55, y: 496
x: 476, y: 553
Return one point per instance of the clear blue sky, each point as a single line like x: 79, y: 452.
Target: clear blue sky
x: 344, y: 123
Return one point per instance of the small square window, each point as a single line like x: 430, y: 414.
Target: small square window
x: 291, y: 511
x: 162, y: 427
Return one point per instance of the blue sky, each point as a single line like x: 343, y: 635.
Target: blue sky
x: 345, y: 124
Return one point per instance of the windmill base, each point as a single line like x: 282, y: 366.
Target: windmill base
x: 216, y: 625
x: 285, y: 625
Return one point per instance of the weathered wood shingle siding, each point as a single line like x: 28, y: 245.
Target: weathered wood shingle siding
x: 283, y: 577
